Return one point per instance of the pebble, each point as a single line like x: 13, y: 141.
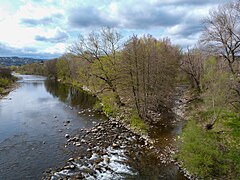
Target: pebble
x: 70, y: 159
x: 106, y: 160
x: 67, y: 136
x: 83, y: 141
x: 77, y: 144
x: 114, y: 145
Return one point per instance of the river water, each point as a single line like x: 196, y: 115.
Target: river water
x: 34, y: 119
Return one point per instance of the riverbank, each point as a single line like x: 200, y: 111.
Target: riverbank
x: 118, y: 150
x: 109, y: 150
x: 115, y: 136
x: 7, y: 90
x: 7, y: 81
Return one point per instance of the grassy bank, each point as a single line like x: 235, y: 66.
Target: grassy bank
x: 210, y: 153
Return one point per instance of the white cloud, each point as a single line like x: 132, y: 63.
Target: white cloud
x: 47, y: 26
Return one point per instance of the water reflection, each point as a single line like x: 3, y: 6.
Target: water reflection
x: 65, y: 93
x: 32, y: 131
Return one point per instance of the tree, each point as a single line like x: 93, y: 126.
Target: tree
x: 151, y: 67
x: 51, y: 67
x: 221, y: 34
x: 63, y: 70
x: 192, y: 65
x: 216, y: 85
x: 100, y: 49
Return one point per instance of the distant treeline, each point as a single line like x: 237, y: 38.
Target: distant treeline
x: 17, y: 61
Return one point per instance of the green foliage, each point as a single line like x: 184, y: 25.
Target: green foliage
x: 199, y: 151
x: 98, y: 106
x: 215, y: 82
x: 232, y: 120
x: 6, y: 79
x: 34, y: 68
x: 4, y: 82
x: 63, y: 71
x: 137, y: 123
x: 210, y: 154
x: 109, y: 108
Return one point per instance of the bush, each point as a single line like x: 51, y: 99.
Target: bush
x: 5, y: 73
x: 137, y: 123
x: 97, y: 106
x: 4, y: 82
x: 110, y: 107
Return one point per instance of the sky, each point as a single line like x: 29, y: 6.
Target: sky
x: 46, y: 28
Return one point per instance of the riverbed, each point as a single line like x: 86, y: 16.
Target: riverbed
x: 35, y: 119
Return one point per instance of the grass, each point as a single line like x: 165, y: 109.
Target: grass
x: 98, y: 106
x: 215, y: 153
x: 137, y: 123
x: 109, y: 106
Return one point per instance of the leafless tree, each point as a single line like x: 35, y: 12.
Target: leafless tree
x: 222, y: 33
x: 192, y: 64
x: 101, y: 50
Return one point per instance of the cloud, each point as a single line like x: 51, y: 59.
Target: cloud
x: 8, y: 51
x: 60, y: 36
x: 133, y: 14
x: 43, y: 21
x: 189, y: 2
x: 34, y: 22
x: 89, y: 17
x: 149, y: 16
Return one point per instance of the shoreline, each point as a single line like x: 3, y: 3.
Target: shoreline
x: 6, y: 91
x: 164, y: 155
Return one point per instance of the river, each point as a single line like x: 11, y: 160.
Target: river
x: 35, y: 118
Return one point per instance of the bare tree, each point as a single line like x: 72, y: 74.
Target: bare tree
x: 192, y: 64
x: 101, y: 50
x: 151, y: 66
x: 222, y: 32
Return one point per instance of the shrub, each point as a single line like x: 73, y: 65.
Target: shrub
x: 110, y: 108
x: 4, y: 82
x: 97, y: 106
x: 137, y: 123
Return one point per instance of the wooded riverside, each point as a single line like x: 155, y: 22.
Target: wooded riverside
x: 137, y: 79
x: 6, y: 80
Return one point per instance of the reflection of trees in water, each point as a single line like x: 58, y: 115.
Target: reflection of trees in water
x: 69, y: 95
x: 57, y: 90
x: 35, y: 84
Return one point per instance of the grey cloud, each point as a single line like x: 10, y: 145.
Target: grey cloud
x: 58, y: 38
x: 89, y: 17
x: 191, y: 2
x: 149, y: 16
x: 164, y: 14
x: 30, y: 52
x: 43, y: 21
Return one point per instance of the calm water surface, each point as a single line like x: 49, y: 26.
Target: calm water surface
x: 32, y: 131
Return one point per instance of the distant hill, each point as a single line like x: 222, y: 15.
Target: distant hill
x: 18, y: 61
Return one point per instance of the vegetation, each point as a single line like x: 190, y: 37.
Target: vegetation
x: 34, y: 68
x: 137, y: 78
x: 210, y: 146
x: 6, y: 79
